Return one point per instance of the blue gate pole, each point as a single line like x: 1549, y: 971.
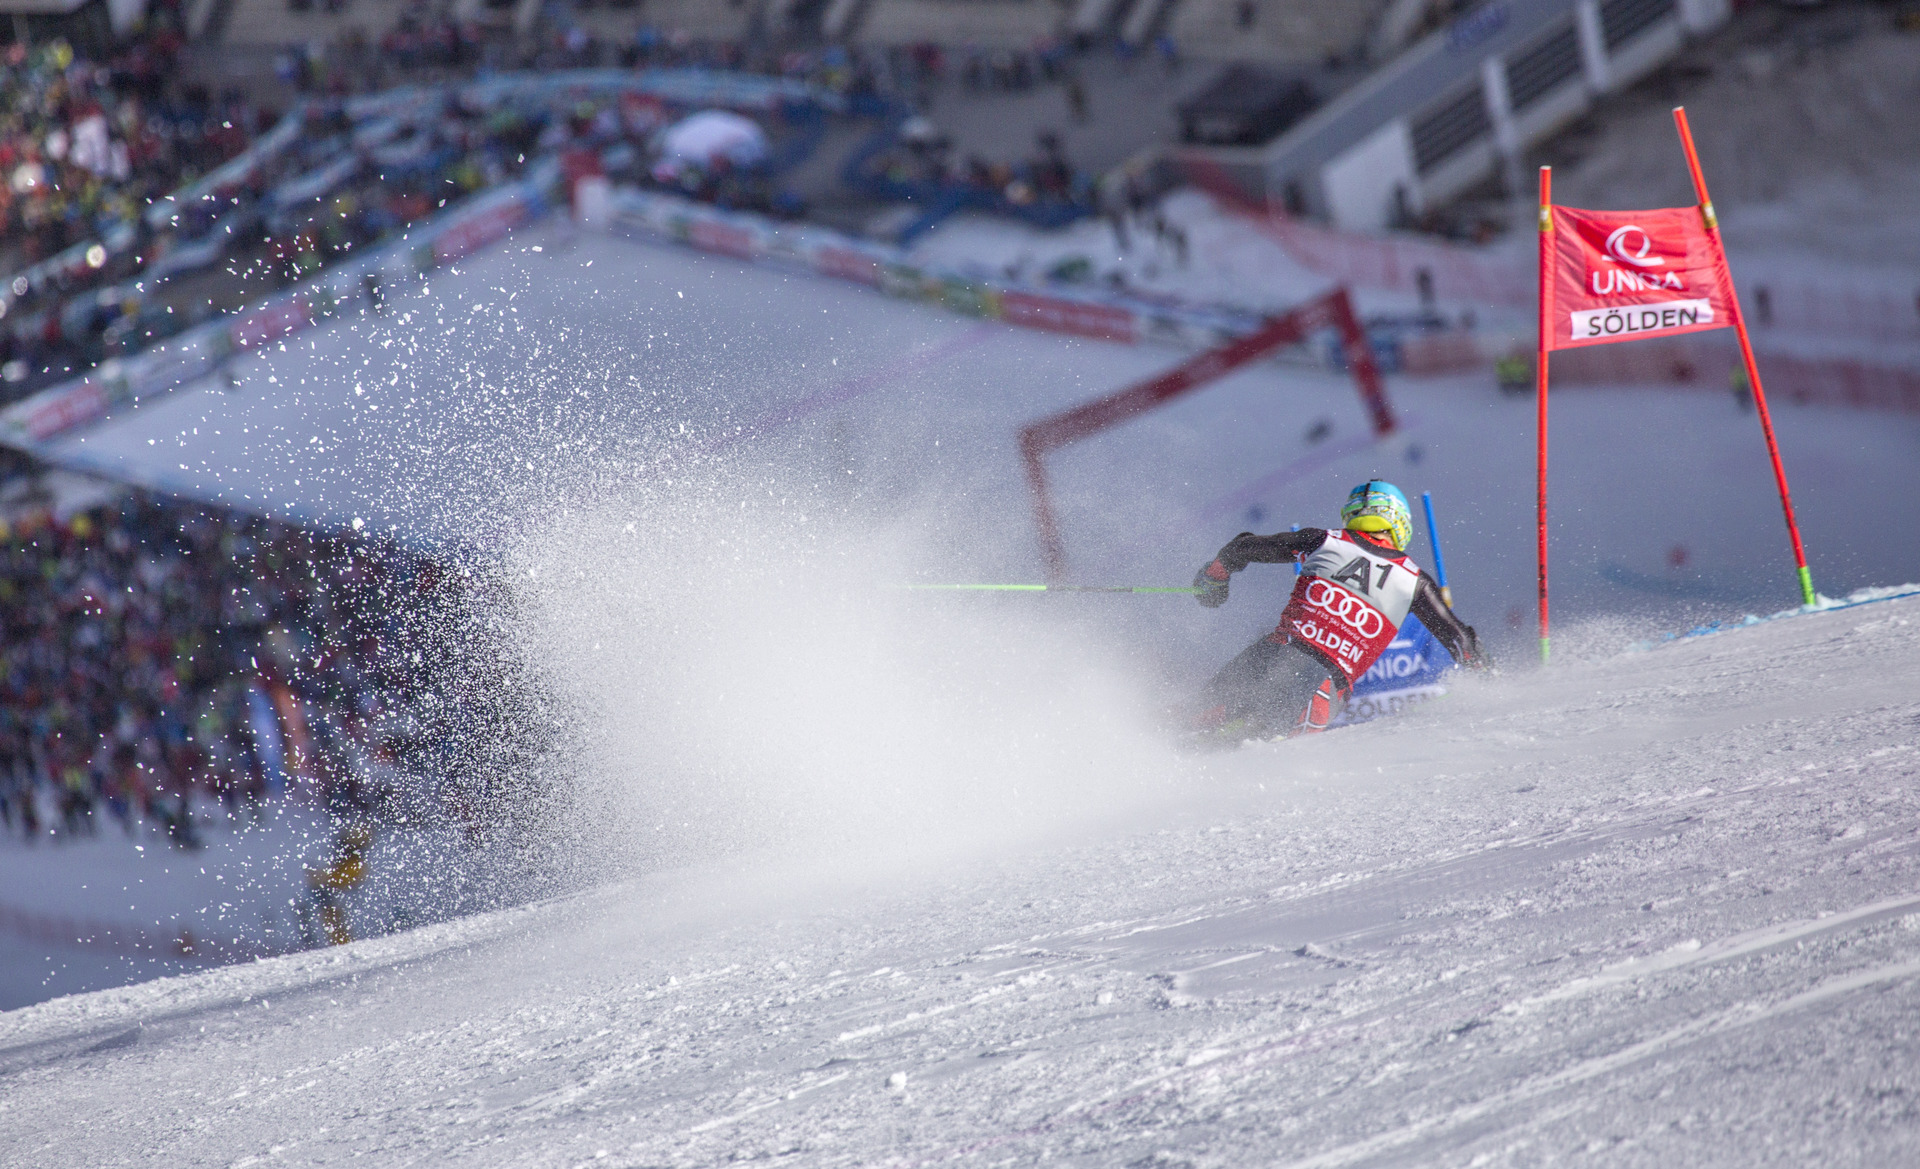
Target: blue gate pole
x: 1433, y: 538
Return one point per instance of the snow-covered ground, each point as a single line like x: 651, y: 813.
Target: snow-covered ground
x: 119, y: 903
x: 1655, y: 908
x: 141, y: 904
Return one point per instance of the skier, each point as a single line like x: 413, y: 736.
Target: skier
x: 1355, y: 589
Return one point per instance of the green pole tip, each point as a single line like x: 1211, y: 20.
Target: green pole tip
x: 1543, y: 651
x: 1807, y: 595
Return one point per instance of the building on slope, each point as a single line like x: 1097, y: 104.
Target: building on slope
x: 1457, y: 109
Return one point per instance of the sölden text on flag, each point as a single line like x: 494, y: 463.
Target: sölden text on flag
x: 1623, y: 275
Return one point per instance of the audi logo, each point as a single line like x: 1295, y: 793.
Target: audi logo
x: 1360, y: 617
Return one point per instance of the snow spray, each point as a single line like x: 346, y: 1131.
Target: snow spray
x: 729, y: 681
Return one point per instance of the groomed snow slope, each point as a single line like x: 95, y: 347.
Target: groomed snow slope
x: 1660, y: 908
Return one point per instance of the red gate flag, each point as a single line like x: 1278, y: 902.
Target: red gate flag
x: 1617, y: 275
x: 1623, y: 275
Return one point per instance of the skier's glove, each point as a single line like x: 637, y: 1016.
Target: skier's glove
x: 1210, y: 585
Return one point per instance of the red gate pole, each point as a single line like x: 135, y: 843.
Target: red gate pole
x: 1359, y: 353
x: 1540, y: 390
x: 1055, y: 556
x: 1807, y: 595
x: 1057, y: 430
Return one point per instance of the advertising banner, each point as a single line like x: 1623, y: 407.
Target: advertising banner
x: 1059, y: 315
x: 847, y: 264
x: 450, y: 236
x: 729, y: 239
x: 45, y: 415
x: 478, y: 227
x: 1413, y: 668
x: 1623, y: 275
x: 1084, y: 313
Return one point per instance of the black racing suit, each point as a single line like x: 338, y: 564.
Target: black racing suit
x: 1270, y: 687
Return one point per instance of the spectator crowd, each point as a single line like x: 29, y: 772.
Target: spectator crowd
x: 154, y: 654
x: 89, y: 149
x: 158, y: 656
x: 335, y: 188
x: 84, y: 145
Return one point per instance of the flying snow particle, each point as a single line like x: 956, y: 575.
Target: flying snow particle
x: 358, y: 523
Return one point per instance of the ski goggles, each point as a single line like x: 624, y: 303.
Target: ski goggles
x: 1398, y: 531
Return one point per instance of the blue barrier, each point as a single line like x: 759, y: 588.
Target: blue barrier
x: 1415, y: 667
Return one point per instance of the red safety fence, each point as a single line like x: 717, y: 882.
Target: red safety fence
x: 1707, y: 363
x: 1830, y: 310
x: 1395, y: 263
x: 1334, y: 310
x: 1392, y: 262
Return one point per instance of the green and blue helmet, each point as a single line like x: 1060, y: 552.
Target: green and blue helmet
x: 1378, y: 507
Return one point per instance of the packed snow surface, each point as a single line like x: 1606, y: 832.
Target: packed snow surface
x: 1652, y: 908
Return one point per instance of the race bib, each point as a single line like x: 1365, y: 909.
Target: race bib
x: 1350, y: 601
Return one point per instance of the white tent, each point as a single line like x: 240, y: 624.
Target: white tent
x: 712, y: 134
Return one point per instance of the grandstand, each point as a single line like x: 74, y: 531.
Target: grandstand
x: 91, y: 25
x: 276, y: 22
x: 1278, y: 31
x: 993, y: 24
x: 701, y: 19
x: 1457, y: 109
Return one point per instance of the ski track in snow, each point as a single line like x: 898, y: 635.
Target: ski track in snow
x: 1655, y: 909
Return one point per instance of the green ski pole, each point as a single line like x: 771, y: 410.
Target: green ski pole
x: 1051, y: 588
